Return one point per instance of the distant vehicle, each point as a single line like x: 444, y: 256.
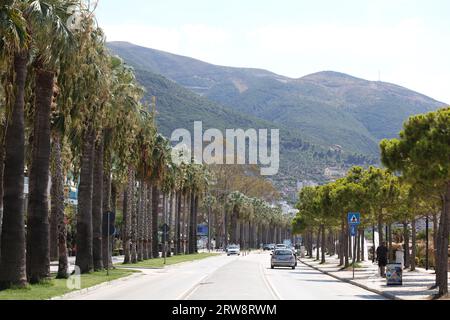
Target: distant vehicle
x: 268, y: 246
x: 233, y: 249
x: 283, y: 258
x: 281, y: 246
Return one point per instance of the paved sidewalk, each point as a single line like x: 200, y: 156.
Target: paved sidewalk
x: 415, y: 286
x: 54, y: 264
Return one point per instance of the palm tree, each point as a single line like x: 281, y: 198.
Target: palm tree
x: 94, y: 83
x: 121, y: 123
x: 43, y: 17
x: 236, y: 200
x: 57, y: 206
x: 160, y: 154
x: 14, y: 45
x: 126, y: 228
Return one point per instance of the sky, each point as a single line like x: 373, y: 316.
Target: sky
x: 406, y: 42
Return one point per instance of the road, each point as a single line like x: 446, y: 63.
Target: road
x: 230, y: 278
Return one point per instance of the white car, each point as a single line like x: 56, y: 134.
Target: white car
x: 233, y: 249
x: 283, y: 258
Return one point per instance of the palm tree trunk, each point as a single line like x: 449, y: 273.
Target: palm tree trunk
x: 140, y: 222
x: 150, y: 221
x: 178, y: 223
x: 186, y: 214
x: 196, y: 205
x: 38, y: 229
x: 241, y: 233
x: 145, y: 222
x: 113, y: 209
x: 234, y: 226
x: 191, y: 223
x: 105, y: 189
x: 169, y: 251
x: 134, y: 234
x: 57, y: 206
x: 97, y: 207
x: 155, y: 209
x: 84, y: 252
x: 225, y: 227
x: 127, y: 198
x: 13, y: 260
x: 54, y: 246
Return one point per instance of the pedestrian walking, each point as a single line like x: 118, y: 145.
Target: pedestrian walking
x: 382, y: 252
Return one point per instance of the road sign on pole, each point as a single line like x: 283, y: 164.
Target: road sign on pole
x: 353, y: 229
x: 354, y: 218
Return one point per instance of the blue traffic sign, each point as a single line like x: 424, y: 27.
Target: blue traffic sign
x: 353, y: 230
x: 354, y: 218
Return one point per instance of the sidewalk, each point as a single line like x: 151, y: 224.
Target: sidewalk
x: 415, y: 286
x: 54, y: 264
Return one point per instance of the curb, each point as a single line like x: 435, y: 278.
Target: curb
x: 100, y: 285
x: 381, y: 293
x: 124, y: 266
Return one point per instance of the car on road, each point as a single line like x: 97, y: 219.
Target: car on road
x: 268, y: 246
x: 283, y: 258
x: 233, y: 249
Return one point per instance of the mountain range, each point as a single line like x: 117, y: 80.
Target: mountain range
x: 316, y: 113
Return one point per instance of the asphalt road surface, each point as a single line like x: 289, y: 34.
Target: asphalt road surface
x: 230, y: 278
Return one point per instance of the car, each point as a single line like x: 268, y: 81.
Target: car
x: 283, y: 258
x: 268, y: 246
x: 233, y: 249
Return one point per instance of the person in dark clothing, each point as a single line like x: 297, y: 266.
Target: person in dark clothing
x: 382, y: 252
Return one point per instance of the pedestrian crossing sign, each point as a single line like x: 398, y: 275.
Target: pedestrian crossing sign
x: 354, y: 218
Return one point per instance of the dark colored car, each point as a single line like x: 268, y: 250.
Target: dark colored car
x: 268, y: 246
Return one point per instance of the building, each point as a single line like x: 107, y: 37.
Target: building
x: 305, y: 183
x: 334, y: 172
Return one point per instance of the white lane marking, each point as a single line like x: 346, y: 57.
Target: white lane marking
x: 191, y: 290
x: 272, y: 290
x: 188, y: 293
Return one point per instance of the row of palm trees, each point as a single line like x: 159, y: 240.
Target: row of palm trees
x: 415, y: 185
x: 255, y: 221
x: 68, y: 106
